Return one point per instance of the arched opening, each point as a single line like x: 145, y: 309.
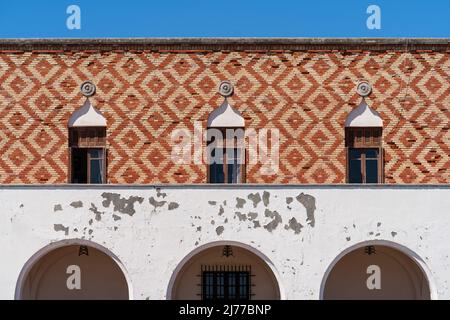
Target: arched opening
x: 376, y: 271
x: 224, y: 271
x: 72, y: 272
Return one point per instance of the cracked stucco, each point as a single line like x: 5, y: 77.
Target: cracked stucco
x: 309, y: 226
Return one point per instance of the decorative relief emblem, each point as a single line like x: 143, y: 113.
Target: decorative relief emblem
x: 87, y: 89
x: 364, y: 89
x: 226, y: 89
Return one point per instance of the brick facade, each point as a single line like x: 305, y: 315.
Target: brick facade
x: 147, y: 90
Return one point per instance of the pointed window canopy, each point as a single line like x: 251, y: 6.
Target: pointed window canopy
x: 363, y: 115
x: 225, y: 116
x: 87, y: 115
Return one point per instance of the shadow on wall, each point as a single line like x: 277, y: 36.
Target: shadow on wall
x: 72, y: 270
x: 375, y: 271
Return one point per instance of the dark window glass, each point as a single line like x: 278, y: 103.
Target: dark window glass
x: 243, y: 285
x: 232, y: 164
x: 208, y: 284
x: 96, y: 165
x: 88, y: 165
x: 220, y: 282
x: 371, y: 153
x: 234, y: 167
x: 216, y: 173
x: 355, y: 168
x: 363, y: 165
x: 79, y: 165
x: 225, y: 285
x: 371, y: 171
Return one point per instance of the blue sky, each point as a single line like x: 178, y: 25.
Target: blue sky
x: 226, y: 18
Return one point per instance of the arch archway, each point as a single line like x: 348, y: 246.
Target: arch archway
x: 71, y: 270
x: 377, y: 270
x: 212, y: 271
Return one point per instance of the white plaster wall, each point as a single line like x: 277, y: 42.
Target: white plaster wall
x: 151, y: 242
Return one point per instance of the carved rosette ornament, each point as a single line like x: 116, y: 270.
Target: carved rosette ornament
x: 87, y: 89
x: 226, y: 89
x: 364, y: 89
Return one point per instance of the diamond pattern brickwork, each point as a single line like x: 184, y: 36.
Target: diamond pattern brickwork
x: 147, y: 94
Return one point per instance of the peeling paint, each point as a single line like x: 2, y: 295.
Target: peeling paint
x: 252, y: 215
x: 77, y: 204
x: 98, y: 214
x: 199, y: 229
x: 289, y: 200
x: 393, y: 234
x: 156, y: 204
x: 213, y: 203
x: 57, y: 207
x: 255, y: 198
x: 240, y: 202
x: 265, y: 198
x: 309, y: 202
x: 159, y: 193
x: 122, y: 205
x: 276, y: 220
x: 348, y: 238
x: 116, y: 217
x: 241, y: 216
x: 60, y: 227
x: 294, y: 225
x: 221, y: 210
x: 173, y: 205
x: 219, y: 230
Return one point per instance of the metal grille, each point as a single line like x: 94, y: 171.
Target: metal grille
x: 226, y: 282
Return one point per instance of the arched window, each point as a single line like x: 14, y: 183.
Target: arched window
x: 87, y: 145
x: 363, y: 141
x: 225, y: 142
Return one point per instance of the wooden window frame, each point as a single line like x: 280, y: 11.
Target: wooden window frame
x: 364, y: 138
x: 88, y: 138
x: 223, y: 144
